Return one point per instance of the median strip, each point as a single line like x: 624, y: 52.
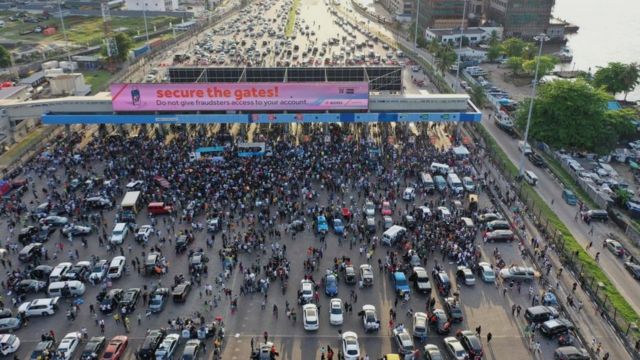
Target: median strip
x: 291, y: 20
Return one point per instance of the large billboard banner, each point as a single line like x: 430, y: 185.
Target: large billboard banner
x: 240, y: 96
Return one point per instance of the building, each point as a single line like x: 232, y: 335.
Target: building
x: 18, y: 92
x: 402, y: 10
x: 440, y: 14
x: 452, y: 36
x: 520, y: 18
x: 68, y: 84
x: 152, y: 5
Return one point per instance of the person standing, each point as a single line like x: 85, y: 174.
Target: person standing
x: 489, y: 337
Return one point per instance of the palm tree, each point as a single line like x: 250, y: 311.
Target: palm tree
x: 445, y: 57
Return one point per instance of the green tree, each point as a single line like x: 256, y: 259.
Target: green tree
x: 494, y: 52
x: 124, y: 44
x: 493, y: 40
x: 547, y: 63
x: 445, y: 57
x: 514, y: 63
x: 422, y: 42
x: 514, y: 47
x: 573, y: 115
x: 478, y: 96
x: 5, y: 57
x: 433, y: 46
x: 618, y: 77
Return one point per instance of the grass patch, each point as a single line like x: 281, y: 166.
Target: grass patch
x: 98, y: 80
x: 18, y: 149
x: 291, y: 20
x: 568, y: 181
x: 589, y: 266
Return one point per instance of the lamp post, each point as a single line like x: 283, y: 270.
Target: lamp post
x: 458, y: 59
x: 64, y: 32
x: 415, y: 31
x: 541, y: 38
x: 146, y: 28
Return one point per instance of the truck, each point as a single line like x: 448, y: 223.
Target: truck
x: 129, y: 206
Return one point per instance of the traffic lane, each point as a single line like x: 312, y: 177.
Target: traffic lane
x: 550, y: 191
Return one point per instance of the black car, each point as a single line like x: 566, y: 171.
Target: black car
x: 181, y: 291
x: 150, y: 344
x: 93, y: 348
x: 110, y: 301
x: 41, y: 272
x: 30, y: 252
x: 79, y: 271
x: 471, y: 343
x: 536, y: 159
x: 129, y: 300
x: 181, y: 243
x: 48, y: 345
x: 43, y: 233
x: 296, y: 225
x: 28, y: 286
x: 409, y: 221
x: 633, y: 269
x: 443, y: 284
x: 27, y: 234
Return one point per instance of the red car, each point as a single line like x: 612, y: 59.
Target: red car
x: 386, y: 208
x: 163, y: 182
x: 346, y: 213
x: 115, y: 349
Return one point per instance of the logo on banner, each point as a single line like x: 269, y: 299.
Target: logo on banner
x: 299, y: 117
x: 271, y: 117
x: 253, y: 118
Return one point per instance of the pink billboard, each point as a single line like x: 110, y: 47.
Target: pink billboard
x: 240, y: 96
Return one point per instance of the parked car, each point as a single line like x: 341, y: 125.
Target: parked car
x: 350, y: 346
x: 486, y: 272
x: 168, y: 347
x: 336, y: 314
x: 518, y: 273
x: 93, y: 348
x: 455, y: 348
x: 471, y: 343
x: 116, y: 348
x: 68, y: 345
x: 310, y: 317
x: 633, y: 269
x: 614, y: 246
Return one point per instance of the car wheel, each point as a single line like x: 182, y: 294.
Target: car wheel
x: 44, y: 313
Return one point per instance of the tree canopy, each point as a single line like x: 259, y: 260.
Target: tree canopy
x: 617, y: 77
x: 547, y: 63
x: 574, y: 115
x: 5, y: 57
x: 515, y: 47
x: 124, y: 44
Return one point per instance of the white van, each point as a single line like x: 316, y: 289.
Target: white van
x: 468, y: 184
x: 118, y: 234
x: 76, y: 288
x: 59, y: 270
x: 442, y: 169
x: 526, y: 149
x: 530, y: 177
x: 116, y: 268
x: 427, y: 181
x: 454, y: 183
x: 393, y: 234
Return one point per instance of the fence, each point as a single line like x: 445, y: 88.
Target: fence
x: 628, y: 332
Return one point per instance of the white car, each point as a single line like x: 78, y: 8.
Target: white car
x: 99, y: 271
x: 306, y: 287
x: 409, y: 194
x: 465, y: 275
x: 9, y: 344
x: 369, y: 318
x: 350, y: 346
x: 468, y: 184
x: 167, y: 347
x: 135, y: 184
x: 310, y: 318
x: 58, y: 272
x: 420, y: 324
x: 39, y: 307
x: 366, y: 275
x: 76, y: 229
x: 336, y: 315
x: 119, y: 233
x: 144, y: 233
x: 455, y: 348
x: 369, y: 209
x: 487, y: 273
x: 116, y: 268
x: 69, y: 344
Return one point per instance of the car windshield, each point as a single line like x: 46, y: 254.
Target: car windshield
x: 336, y: 310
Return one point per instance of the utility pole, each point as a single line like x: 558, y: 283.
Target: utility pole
x: 459, y: 58
x: 415, y: 31
x: 541, y: 38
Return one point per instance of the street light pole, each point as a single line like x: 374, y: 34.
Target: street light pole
x: 415, y: 31
x: 146, y: 28
x: 542, y: 38
x: 64, y: 32
x: 458, y: 59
